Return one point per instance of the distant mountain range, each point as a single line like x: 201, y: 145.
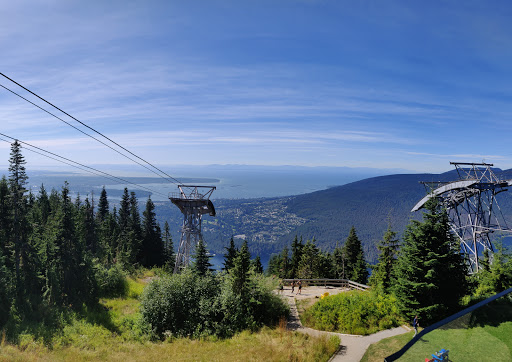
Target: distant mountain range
x: 269, y: 224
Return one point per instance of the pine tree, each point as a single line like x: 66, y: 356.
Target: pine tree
x: 103, y: 207
x: 274, y: 264
x: 229, y: 257
x: 240, y: 270
x: 296, y: 256
x: 338, y: 262
x: 383, y: 271
x: 152, y: 245
x: 135, y: 233
x: 87, y: 227
x: 169, y: 257
x: 17, y: 182
x: 257, y: 265
x: 124, y: 252
x: 430, y: 273
x: 5, y: 291
x: 494, y: 277
x: 355, y: 265
x: 309, y: 263
x: 202, y: 263
x: 5, y: 223
x: 284, y: 269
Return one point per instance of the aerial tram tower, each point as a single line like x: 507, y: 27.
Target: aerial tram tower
x: 193, y: 202
x: 473, y: 211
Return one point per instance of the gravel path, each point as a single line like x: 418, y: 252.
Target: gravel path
x: 352, y: 347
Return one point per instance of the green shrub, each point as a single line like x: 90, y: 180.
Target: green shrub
x: 354, y: 313
x: 190, y: 305
x: 111, y: 282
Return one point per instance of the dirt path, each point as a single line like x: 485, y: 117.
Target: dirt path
x: 352, y: 347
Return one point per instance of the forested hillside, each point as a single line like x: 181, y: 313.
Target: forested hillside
x: 328, y: 215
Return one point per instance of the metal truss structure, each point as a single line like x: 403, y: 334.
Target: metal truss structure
x: 193, y: 203
x: 473, y: 211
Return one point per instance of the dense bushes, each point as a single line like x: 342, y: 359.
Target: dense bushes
x: 191, y: 305
x: 111, y: 282
x: 353, y: 312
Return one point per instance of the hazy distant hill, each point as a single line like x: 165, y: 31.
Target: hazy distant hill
x: 269, y: 224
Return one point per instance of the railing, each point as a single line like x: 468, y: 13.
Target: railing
x: 344, y: 283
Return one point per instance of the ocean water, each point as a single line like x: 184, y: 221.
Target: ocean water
x: 241, y: 182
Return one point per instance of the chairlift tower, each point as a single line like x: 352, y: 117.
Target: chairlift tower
x: 473, y: 211
x: 193, y: 202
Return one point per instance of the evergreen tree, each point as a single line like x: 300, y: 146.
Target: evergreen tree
x: 68, y: 253
x: 338, y: 262
x: 494, y: 277
x: 169, y: 257
x: 124, y: 250
x: 5, y: 291
x: 325, y: 265
x: 103, y: 207
x: 309, y: 263
x: 18, y: 238
x: 152, y: 245
x: 284, y: 269
x: 134, y: 234
x: 274, y: 264
x: 240, y: 271
x: 202, y: 263
x: 430, y: 273
x: 229, y: 257
x: 5, y: 223
x: 355, y: 265
x: 257, y: 265
x: 296, y: 256
x: 110, y: 235
x: 383, y: 271
x: 87, y: 227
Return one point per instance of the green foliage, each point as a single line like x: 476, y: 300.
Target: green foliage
x: 353, y: 312
x: 383, y: 272
x: 202, y: 263
x: 309, y: 263
x: 111, y: 281
x: 494, y: 277
x: 169, y: 257
x: 257, y: 265
x: 430, y: 273
x: 229, y: 257
x: 355, y: 265
x: 240, y: 271
x: 191, y: 305
x: 152, y: 250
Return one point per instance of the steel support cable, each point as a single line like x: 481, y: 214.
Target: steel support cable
x: 92, y: 129
x: 74, y: 164
x: 85, y: 133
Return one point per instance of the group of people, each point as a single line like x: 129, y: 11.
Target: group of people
x: 294, y: 284
x: 299, y: 286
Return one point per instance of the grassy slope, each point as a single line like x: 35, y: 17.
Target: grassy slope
x: 484, y: 336
x: 112, y: 334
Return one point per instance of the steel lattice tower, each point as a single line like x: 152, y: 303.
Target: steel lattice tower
x: 473, y: 210
x: 193, y: 204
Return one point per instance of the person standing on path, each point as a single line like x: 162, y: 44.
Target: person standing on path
x: 293, y: 285
x: 415, y: 324
x: 300, y: 287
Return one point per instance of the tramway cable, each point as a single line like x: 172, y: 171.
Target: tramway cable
x: 85, y: 133
x: 85, y: 125
x: 80, y: 166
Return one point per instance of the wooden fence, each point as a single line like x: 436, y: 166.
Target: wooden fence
x: 344, y: 283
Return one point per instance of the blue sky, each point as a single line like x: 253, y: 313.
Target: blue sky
x: 385, y: 84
